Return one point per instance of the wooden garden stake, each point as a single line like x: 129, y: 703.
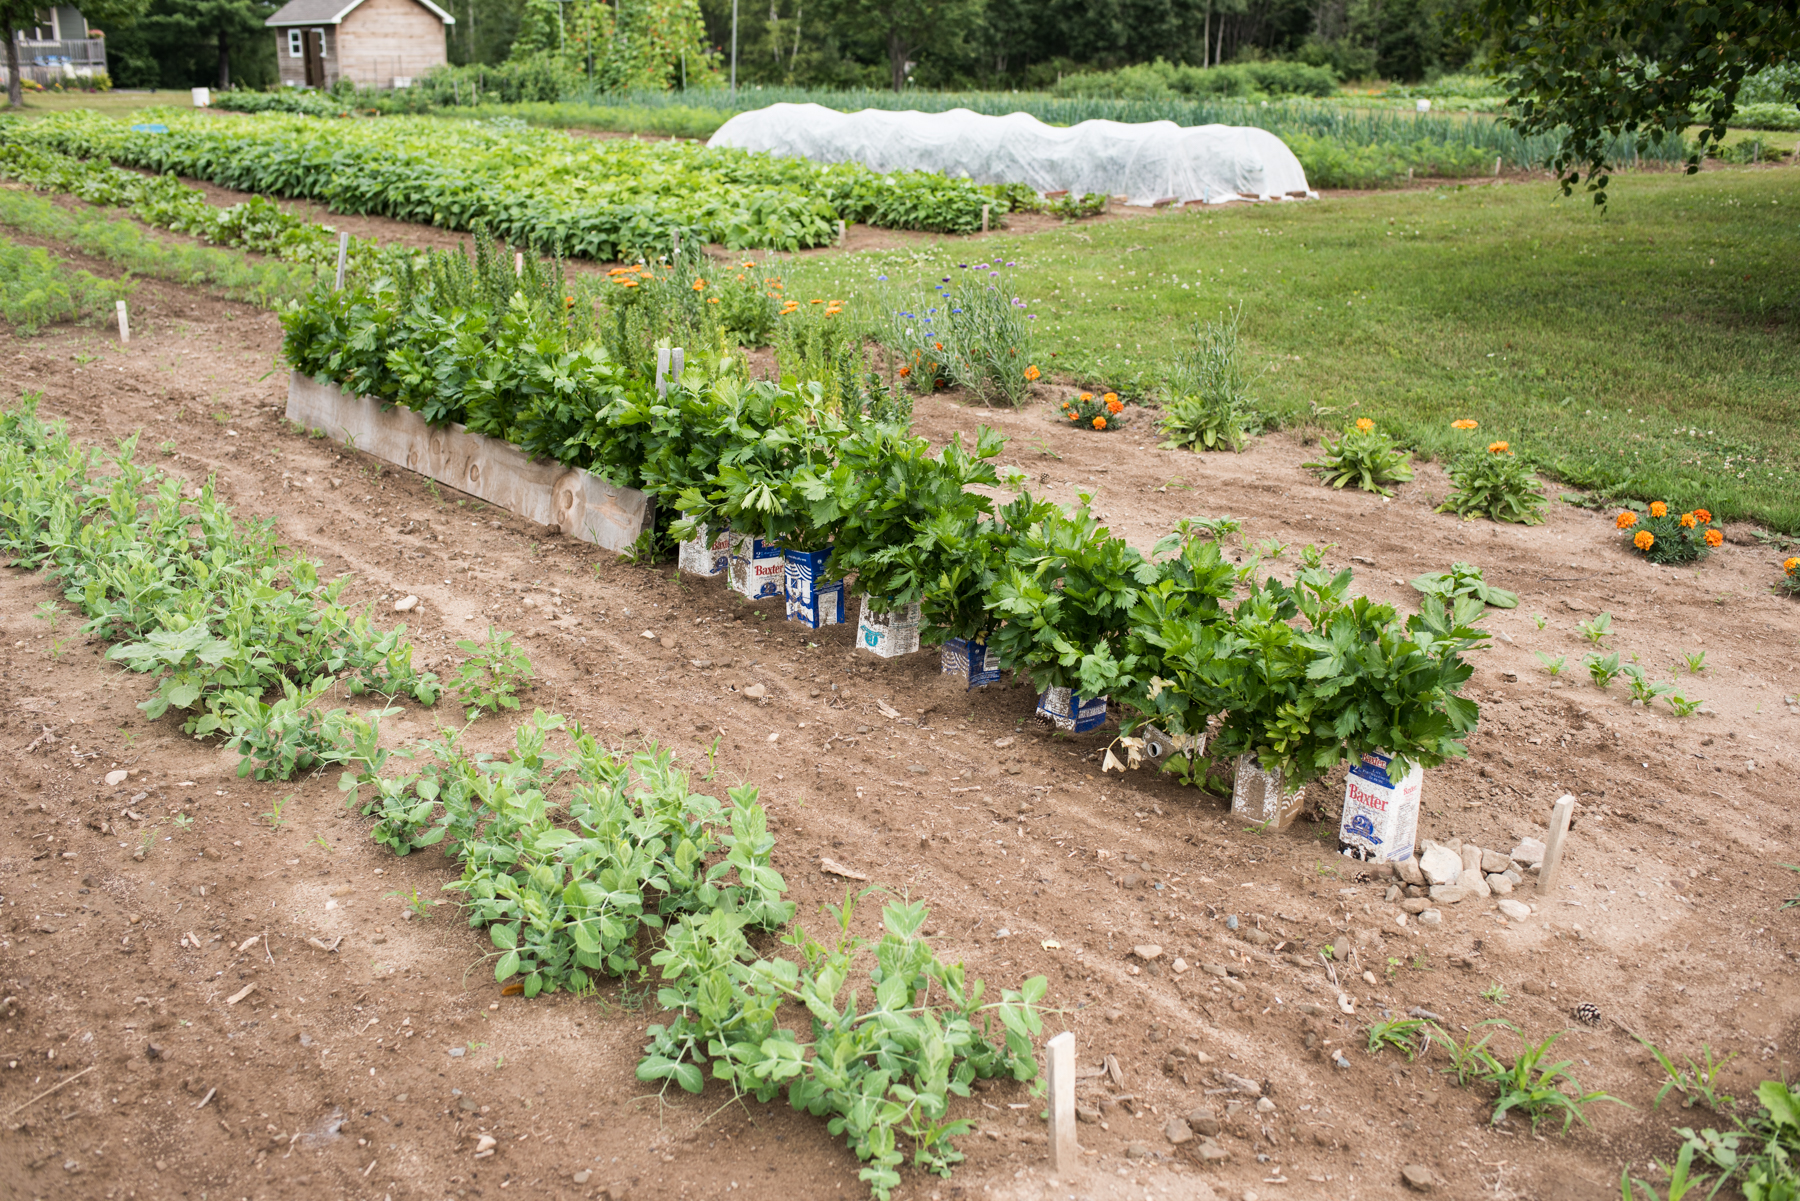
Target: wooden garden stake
x: 124, y: 324
x: 518, y: 262
x: 842, y: 230
x: 1496, y: 168
x: 1553, y: 845
x: 984, y: 217
x: 1065, y: 1154
x: 343, y: 256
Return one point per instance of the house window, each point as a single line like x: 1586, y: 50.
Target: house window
x: 323, y: 47
x: 294, y: 50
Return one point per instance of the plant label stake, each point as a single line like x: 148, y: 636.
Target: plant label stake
x: 343, y: 254
x: 1065, y: 1153
x: 668, y: 368
x: 675, y: 241
x: 124, y: 324
x: 1553, y: 845
x: 518, y: 262
x: 842, y: 229
x: 985, y: 209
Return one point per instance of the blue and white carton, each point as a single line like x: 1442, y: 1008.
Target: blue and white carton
x: 889, y: 634
x: 757, y: 567
x: 969, y: 661
x: 706, y: 553
x: 1381, y: 818
x: 1070, y: 712
x: 812, y: 600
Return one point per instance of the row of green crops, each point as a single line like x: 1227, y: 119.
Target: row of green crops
x: 257, y: 224
x: 560, y: 194
x: 1179, y: 641
x: 37, y: 290
x: 571, y: 891
x: 213, y: 609
x: 126, y: 244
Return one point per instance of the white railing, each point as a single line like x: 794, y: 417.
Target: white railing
x: 47, y: 61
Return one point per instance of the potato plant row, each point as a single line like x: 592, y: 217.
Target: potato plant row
x: 541, y: 188
x: 1300, y: 674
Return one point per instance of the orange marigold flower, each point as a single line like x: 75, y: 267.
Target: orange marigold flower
x: 1114, y: 405
x: 1086, y: 396
x: 1687, y: 521
x: 1498, y: 448
x: 1465, y: 424
x: 1703, y: 516
x: 1110, y: 397
x: 1073, y: 416
x: 1644, y: 540
x: 1792, y: 566
x: 905, y: 371
x: 1031, y: 372
x: 1364, y: 424
x: 1714, y: 538
x: 1625, y: 521
x: 1099, y: 423
x: 1658, y: 509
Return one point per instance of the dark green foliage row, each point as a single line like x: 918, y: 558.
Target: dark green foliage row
x: 37, y: 290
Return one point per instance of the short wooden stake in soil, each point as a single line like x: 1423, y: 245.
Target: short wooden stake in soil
x: 1553, y: 845
x: 1065, y: 1154
x: 343, y: 256
x: 124, y: 324
x: 985, y: 209
x: 519, y: 262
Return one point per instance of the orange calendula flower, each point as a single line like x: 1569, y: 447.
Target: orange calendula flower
x: 1687, y: 521
x: 712, y: 300
x: 1714, y: 538
x: 1658, y: 509
x: 740, y: 279
x: 1465, y: 424
x: 1031, y: 372
x: 1364, y: 424
x: 627, y: 283
x: 1498, y: 448
x: 1625, y: 521
x: 815, y: 302
x: 1099, y: 423
x: 1644, y: 540
x: 699, y: 285
x: 938, y: 345
x: 1703, y: 516
x: 905, y: 371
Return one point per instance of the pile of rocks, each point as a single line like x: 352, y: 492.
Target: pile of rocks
x: 1447, y: 873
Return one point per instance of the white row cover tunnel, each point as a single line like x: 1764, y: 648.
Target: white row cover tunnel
x: 1146, y: 163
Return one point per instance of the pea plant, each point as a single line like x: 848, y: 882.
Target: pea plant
x: 489, y: 679
x: 572, y: 891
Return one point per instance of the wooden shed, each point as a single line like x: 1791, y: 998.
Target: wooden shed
x: 372, y: 43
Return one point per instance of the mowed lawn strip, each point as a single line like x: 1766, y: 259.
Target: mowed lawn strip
x: 1646, y: 351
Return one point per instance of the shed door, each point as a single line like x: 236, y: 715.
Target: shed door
x: 314, y: 42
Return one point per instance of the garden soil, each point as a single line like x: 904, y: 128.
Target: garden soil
x: 213, y: 988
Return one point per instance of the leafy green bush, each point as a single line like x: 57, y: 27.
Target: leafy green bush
x: 1762, y: 1154
x: 1495, y: 484
x: 1364, y: 456
x: 490, y: 678
x: 1159, y: 79
x: 304, y: 101
x: 1206, y: 400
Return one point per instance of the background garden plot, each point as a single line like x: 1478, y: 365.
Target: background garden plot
x: 1146, y: 163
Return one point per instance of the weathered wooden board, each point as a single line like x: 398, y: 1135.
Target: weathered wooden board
x: 572, y: 500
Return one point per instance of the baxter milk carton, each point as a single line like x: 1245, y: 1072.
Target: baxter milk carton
x: 1381, y: 818
x: 757, y: 567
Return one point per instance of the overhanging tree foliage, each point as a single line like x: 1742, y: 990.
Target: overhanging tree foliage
x: 1600, y: 68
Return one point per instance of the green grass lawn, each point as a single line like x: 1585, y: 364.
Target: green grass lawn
x: 113, y: 104
x: 1647, y: 351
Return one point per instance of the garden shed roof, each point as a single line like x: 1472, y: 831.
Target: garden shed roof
x: 332, y: 12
